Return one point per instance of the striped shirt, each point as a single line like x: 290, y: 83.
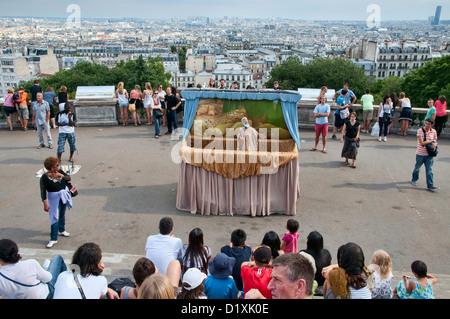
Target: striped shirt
x: 431, y: 135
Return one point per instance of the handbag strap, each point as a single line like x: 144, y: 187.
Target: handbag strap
x: 78, y: 284
x: 19, y: 283
x: 424, y: 135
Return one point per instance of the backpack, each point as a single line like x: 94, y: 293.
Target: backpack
x: 118, y: 283
x: 17, y: 98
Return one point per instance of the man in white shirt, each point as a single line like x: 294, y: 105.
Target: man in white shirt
x: 162, y: 248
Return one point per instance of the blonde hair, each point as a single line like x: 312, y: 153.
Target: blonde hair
x: 63, y: 89
x: 148, y: 86
x: 10, y: 91
x: 156, y: 286
x: 402, y: 95
x: 137, y: 88
x: 120, y: 87
x: 383, y: 261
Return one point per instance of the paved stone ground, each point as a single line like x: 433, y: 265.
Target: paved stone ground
x: 128, y: 181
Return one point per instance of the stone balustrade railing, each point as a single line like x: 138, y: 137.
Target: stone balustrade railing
x: 306, y: 117
x: 100, y: 113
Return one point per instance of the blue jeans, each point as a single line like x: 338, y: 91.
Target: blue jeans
x: 428, y: 161
x: 56, y: 267
x: 60, y: 225
x: 172, y: 120
x: 157, y: 123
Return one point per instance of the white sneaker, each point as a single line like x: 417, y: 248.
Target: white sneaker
x: 64, y: 233
x: 379, y: 139
x: 385, y: 139
x: 51, y: 243
x: 46, y: 264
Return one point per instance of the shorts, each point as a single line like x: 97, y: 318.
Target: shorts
x: 338, y: 121
x: 321, y: 129
x: 9, y: 110
x: 367, y: 115
x: 124, y: 104
x: 23, y: 112
x: 62, y: 142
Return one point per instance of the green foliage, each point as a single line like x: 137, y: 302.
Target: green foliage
x: 332, y: 73
x: 385, y: 87
x: 131, y: 73
x: 429, y: 81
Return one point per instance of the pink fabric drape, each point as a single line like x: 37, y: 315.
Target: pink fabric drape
x: 208, y: 193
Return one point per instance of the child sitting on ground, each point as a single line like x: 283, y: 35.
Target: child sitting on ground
x: 419, y: 288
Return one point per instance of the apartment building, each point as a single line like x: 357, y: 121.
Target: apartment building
x: 395, y: 58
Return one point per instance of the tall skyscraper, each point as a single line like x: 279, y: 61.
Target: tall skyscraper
x: 437, y: 15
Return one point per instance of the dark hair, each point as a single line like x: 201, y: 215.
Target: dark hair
x: 143, y: 268
x: 314, y: 241
x: 292, y: 225
x: 430, y: 120
x: 195, y: 250
x: 272, y: 240
x: 88, y: 257
x: 238, y: 237
x: 442, y: 98
x: 9, y: 252
x: 191, y: 294
x: 386, y: 97
x: 165, y: 225
x: 344, y: 92
x: 420, y: 268
x: 367, y: 91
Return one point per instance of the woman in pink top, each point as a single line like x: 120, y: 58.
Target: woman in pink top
x: 9, y: 107
x: 441, y: 114
x: 136, y: 98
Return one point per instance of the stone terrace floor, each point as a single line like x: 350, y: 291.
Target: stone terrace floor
x: 128, y: 181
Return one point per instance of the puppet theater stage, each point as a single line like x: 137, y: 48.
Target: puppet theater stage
x: 216, y: 177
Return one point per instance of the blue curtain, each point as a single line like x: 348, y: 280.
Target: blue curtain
x: 288, y: 99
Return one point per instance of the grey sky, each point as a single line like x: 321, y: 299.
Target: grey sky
x: 294, y: 9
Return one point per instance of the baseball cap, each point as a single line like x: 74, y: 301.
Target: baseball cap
x: 193, y: 278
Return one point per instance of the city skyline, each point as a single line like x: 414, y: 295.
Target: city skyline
x: 252, y: 9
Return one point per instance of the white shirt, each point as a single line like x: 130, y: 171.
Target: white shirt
x: 162, y: 249
x: 122, y: 97
x: 64, y: 118
x: 93, y: 286
x: 27, y: 272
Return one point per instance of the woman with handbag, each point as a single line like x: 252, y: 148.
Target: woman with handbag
x: 135, y: 104
x: 26, y: 279
x: 157, y: 112
x: 56, y: 197
x: 84, y: 280
x: 384, y: 117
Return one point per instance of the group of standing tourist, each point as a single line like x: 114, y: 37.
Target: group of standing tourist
x: 160, y: 106
x: 346, y: 120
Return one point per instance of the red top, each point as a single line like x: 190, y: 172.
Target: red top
x: 258, y: 278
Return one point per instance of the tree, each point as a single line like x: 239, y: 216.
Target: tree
x: 385, y: 87
x: 333, y: 73
x: 429, y: 81
x: 131, y: 73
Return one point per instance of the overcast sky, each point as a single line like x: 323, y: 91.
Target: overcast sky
x: 294, y: 9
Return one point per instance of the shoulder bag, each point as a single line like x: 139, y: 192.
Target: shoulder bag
x: 432, y: 151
